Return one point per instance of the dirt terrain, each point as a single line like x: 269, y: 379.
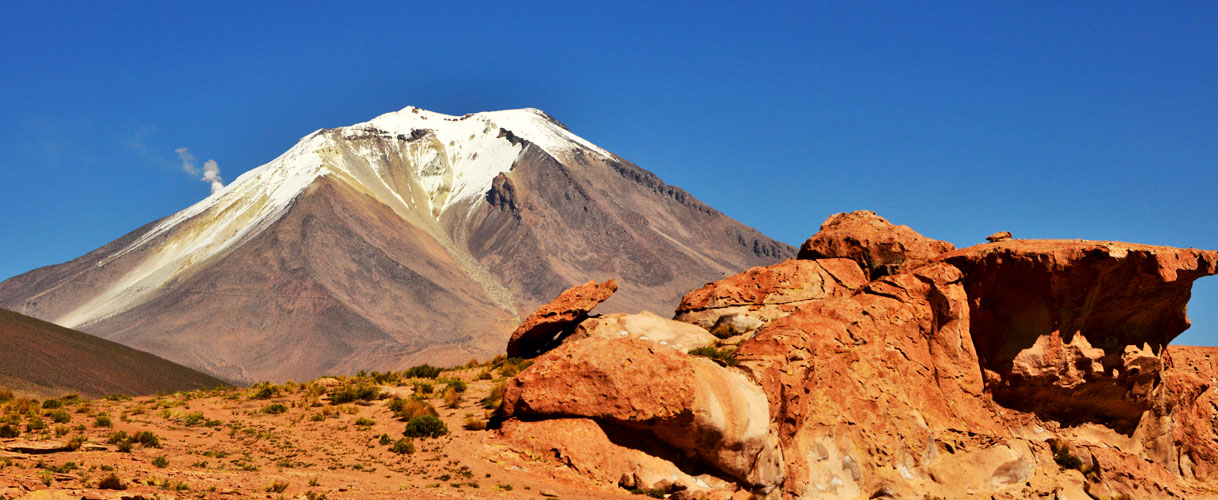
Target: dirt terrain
x: 232, y: 443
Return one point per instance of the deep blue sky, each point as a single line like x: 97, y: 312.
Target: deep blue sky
x: 1049, y: 120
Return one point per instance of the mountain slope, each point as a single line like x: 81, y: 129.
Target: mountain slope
x: 414, y: 237
x: 49, y: 360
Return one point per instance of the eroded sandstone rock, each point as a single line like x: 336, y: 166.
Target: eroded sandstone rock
x: 767, y: 293
x: 691, y: 404
x: 1072, y: 329
x: 645, y: 326
x: 545, y: 328
x: 878, y: 246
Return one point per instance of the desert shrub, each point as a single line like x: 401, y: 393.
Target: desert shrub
x: 426, y: 426
x: 5, y: 394
x: 35, y: 424
x: 148, y: 439
x: 508, y: 370
x: 384, y: 440
x: 722, y: 356
x: 485, y: 374
x: 111, y: 482
x: 124, y: 446
x: 364, y: 422
x: 76, y: 442
x: 457, y: 384
x: 408, y: 409
x: 1065, y: 459
x: 422, y: 371
x: 264, y: 390
x: 275, y: 409
x: 193, y: 419
x: 277, y: 486
x: 387, y: 378
x: 423, y: 388
x: 60, y: 416
x: 474, y: 424
x: 8, y: 431
x: 452, y: 398
x: 116, y: 437
x: 160, y: 462
x: 51, y: 404
x: 102, y: 420
x: 494, y: 399
x: 61, y: 430
x: 402, y: 446
x: 354, y: 392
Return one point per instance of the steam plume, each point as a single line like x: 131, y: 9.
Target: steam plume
x: 210, y: 171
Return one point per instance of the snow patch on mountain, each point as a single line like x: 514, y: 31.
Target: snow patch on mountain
x: 454, y: 159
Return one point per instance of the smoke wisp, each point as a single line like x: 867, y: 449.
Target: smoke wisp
x: 210, y: 172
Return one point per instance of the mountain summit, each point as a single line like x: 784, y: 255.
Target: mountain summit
x: 413, y: 237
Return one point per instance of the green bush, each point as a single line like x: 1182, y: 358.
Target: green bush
x: 422, y: 371
x: 8, y: 431
x: 426, y: 426
x: 111, y: 482
x: 51, y: 404
x: 60, y: 416
x: 402, y: 446
x: 354, y: 392
x: 147, y: 439
x: 275, y: 409
x: 265, y: 390
x: 408, y: 409
x: 457, y: 385
x: 102, y: 420
x: 160, y: 462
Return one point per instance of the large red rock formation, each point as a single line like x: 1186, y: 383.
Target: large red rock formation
x: 545, y: 328
x: 1073, y: 328
x: 878, y: 246
x: 1013, y: 369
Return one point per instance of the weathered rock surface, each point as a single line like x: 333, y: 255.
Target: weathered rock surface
x: 878, y: 246
x: 645, y: 326
x: 1073, y: 329
x: 545, y: 328
x: 767, y: 293
x: 1014, y: 369
x: 691, y: 404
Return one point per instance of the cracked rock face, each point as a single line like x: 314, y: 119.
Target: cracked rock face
x: 767, y: 293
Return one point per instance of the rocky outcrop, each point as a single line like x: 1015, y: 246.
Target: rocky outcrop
x: 767, y: 293
x: 645, y: 326
x: 692, y: 405
x: 1073, y: 329
x: 546, y: 327
x: 1012, y: 369
x: 878, y: 246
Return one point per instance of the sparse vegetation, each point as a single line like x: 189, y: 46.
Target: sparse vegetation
x: 402, y: 446
x: 474, y: 424
x: 160, y: 462
x: 725, y: 357
x: 426, y: 426
x: 5, y: 394
x: 494, y: 399
x: 277, y: 486
x: 111, y: 482
x: 60, y: 416
x: 275, y: 409
x: 408, y: 409
x: 422, y: 371
x: 360, y: 391
x: 102, y: 420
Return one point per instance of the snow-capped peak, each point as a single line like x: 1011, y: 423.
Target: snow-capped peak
x: 413, y: 160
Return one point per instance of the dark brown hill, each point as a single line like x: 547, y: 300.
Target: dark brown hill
x: 49, y: 360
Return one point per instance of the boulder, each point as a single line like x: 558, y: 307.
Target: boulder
x: 1072, y: 329
x: 999, y: 236
x: 767, y: 293
x: 870, y: 389
x: 645, y: 326
x: 878, y: 246
x: 546, y: 327
x: 692, y: 405
x: 583, y: 445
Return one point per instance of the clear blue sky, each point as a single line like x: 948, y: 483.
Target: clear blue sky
x: 1052, y: 119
